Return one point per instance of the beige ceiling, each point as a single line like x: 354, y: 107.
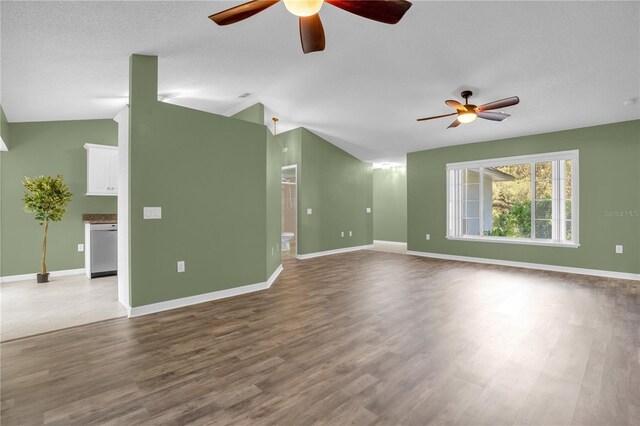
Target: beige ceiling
x: 573, y: 64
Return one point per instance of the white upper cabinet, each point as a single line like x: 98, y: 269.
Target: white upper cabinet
x: 102, y: 169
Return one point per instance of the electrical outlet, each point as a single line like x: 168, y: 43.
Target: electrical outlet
x: 272, y: 251
x: 80, y: 247
x: 309, y: 211
x: 368, y: 209
x: 428, y: 236
x: 350, y: 234
x: 181, y: 266
x: 619, y: 249
x: 342, y: 234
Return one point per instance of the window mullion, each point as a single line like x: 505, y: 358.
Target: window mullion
x: 480, y: 201
x: 562, y: 201
x: 533, y: 201
x: 555, y: 231
x: 458, y: 203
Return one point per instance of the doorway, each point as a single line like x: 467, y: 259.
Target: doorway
x: 289, y: 209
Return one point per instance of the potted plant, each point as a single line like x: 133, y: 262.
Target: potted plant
x: 47, y: 197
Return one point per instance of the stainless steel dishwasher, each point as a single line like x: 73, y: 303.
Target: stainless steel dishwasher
x: 104, y: 250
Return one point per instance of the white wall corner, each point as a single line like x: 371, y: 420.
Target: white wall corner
x: 274, y: 276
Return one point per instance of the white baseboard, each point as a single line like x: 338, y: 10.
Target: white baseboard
x: 329, y: 252
x: 539, y: 266
x: 137, y: 311
x: 25, y: 277
x: 391, y: 243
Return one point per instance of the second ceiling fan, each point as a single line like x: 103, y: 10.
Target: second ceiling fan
x: 467, y: 113
x: 311, y: 30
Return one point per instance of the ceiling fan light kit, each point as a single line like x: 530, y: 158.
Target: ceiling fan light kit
x: 468, y: 113
x: 311, y: 29
x: 303, y: 7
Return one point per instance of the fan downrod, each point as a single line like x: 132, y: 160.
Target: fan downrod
x: 466, y: 94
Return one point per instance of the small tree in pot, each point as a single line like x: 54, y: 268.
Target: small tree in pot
x: 47, y: 197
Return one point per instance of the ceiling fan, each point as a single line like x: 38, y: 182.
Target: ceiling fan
x: 468, y: 112
x: 311, y: 30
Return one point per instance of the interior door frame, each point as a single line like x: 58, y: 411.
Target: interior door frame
x: 293, y: 167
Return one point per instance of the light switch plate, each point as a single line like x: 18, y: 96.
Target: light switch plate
x: 309, y: 211
x: 619, y: 249
x: 181, y: 266
x: 428, y: 236
x: 342, y: 234
x: 350, y: 234
x: 368, y: 209
x: 152, y: 213
x: 80, y: 247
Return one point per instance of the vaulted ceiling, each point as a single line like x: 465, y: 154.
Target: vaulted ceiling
x: 573, y: 64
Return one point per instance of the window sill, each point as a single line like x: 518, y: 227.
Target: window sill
x: 524, y: 241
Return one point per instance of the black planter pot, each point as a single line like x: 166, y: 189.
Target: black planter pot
x: 43, y: 278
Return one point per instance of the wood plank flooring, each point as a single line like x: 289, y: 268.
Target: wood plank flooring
x: 357, y: 338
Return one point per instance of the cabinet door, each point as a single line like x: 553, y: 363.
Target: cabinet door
x: 113, y: 171
x: 98, y: 171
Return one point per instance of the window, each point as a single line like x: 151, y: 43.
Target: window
x: 529, y: 199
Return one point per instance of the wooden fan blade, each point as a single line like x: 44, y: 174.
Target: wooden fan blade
x: 502, y: 103
x: 455, y: 104
x: 311, y: 33
x: 437, y: 116
x: 493, y: 116
x: 385, y: 11
x: 241, y: 12
x: 454, y: 124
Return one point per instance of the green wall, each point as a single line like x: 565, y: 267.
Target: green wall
x: 609, y: 182
x: 209, y: 175
x: 390, y: 204
x: 253, y: 114
x: 291, y: 142
x: 49, y: 148
x: 336, y: 186
x: 4, y: 127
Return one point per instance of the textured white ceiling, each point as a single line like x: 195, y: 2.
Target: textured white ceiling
x: 573, y: 64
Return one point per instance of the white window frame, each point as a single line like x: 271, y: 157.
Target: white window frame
x: 454, y: 208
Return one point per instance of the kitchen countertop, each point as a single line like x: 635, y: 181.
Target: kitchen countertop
x: 100, y: 218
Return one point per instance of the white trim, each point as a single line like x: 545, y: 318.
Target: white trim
x: 518, y: 159
x: 507, y: 240
x: 454, y: 228
x: 330, y: 252
x: 123, y: 200
x: 25, y: 277
x: 538, y: 266
x: 393, y: 243
x: 3, y: 146
x: 137, y: 311
x: 297, y: 235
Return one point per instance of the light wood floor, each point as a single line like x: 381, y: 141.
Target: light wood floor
x: 364, y: 337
